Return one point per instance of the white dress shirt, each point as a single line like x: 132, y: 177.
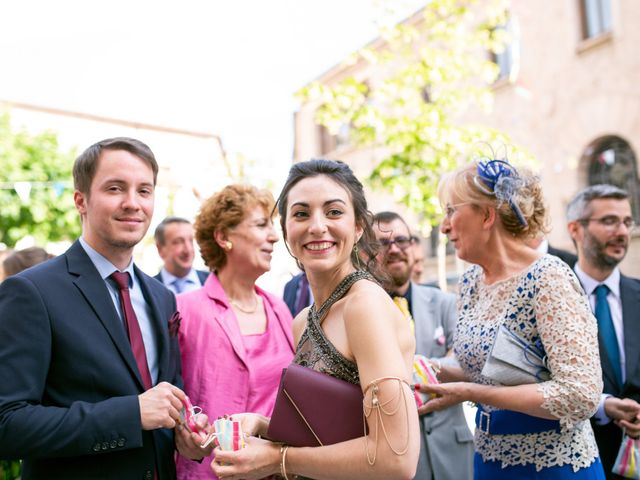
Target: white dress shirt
x: 189, y: 282
x: 143, y: 310
x: 615, y: 306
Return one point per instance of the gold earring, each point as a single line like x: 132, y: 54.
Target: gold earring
x: 356, y: 253
x: 228, y: 246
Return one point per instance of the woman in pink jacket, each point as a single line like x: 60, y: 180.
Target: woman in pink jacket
x: 235, y: 338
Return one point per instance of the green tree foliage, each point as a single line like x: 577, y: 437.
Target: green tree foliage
x: 46, y: 211
x: 427, y: 73
x: 10, y: 469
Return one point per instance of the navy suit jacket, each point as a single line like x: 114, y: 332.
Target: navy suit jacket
x: 609, y: 436
x: 289, y: 294
x: 567, y: 257
x: 202, y: 276
x: 70, y: 384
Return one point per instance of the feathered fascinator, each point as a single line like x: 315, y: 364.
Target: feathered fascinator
x: 500, y: 179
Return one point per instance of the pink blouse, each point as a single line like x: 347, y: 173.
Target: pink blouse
x: 267, y: 354
x: 225, y: 372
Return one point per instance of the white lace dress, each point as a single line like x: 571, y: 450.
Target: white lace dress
x: 547, y: 303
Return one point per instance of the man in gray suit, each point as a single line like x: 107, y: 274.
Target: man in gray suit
x: 446, y: 446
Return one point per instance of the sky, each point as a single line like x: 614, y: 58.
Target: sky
x: 224, y: 67
x: 228, y: 68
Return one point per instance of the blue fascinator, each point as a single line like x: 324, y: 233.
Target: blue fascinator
x: 500, y: 179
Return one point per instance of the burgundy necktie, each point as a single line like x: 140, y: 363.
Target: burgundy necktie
x: 133, y: 327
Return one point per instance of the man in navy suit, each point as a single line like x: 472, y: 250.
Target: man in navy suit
x: 89, y: 363
x: 297, y: 294
x: 600, y: 223
x: 174, y: 241
x: 541, y: 244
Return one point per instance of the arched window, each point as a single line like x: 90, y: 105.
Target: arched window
x: 611, y: 160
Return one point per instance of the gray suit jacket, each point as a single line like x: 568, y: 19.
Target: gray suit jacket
x: 446, y: 447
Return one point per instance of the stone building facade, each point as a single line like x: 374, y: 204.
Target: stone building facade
x: 569, y: 92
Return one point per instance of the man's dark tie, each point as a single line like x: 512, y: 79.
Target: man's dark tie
x: 607, y: 332
x: 303, y: 294
x: 133, y: 327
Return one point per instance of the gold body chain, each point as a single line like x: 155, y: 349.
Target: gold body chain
x: 388, y: 408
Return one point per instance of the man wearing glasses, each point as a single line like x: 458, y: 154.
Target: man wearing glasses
x: 600, y: 223
x: 446, y: 446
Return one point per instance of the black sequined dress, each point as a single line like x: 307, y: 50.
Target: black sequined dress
x: 315, y: 351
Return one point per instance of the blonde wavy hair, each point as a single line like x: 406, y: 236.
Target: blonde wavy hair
x: 462, y: 184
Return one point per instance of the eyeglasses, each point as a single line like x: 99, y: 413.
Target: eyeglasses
x: 401, y: 242
x: 611, y: 222
x: 451, y: 209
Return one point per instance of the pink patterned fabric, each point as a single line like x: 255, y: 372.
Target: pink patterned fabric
x: 223, y: 371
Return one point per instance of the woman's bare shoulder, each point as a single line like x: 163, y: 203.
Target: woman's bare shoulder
x: 369, y: 300
x: 299, y: 324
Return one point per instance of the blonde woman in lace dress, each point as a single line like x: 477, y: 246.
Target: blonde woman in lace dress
x: 353, y: 331
x: 537, y: 428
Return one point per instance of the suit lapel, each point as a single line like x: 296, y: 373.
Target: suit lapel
x: 288, y: 333
x: 630, y: 296
x: 202, y: 276
x: 290, y: 290
x: 230, y: 327
x: 224, y: 316
x: 423, y: 315
x: 97, y: 295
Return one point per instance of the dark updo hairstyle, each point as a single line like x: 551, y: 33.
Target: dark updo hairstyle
x: 340, y: 173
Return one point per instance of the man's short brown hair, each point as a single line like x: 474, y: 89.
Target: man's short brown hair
x: 86, y: 165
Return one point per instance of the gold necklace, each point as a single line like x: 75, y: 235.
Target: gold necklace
x: 243, y: 309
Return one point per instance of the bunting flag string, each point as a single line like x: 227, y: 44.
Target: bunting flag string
x: 23, y: 188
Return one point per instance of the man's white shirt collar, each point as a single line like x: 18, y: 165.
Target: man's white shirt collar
x: 104, y: 266
x: 590, y: 284
x: 191, y: 277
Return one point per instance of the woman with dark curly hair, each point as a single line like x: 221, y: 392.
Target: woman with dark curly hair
x: 525, y: 339
x: 235, y: 338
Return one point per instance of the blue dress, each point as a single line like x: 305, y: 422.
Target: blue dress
x: 544, y: 305
x: 494, y: 470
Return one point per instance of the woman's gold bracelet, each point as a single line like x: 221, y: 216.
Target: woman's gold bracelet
x: 283, y: 459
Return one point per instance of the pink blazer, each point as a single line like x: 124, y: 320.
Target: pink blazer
x: 214, y: 361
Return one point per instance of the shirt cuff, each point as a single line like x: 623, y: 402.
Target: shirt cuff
x: 600, y: 416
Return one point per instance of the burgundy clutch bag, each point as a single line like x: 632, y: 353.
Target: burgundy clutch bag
x: 314, y: 409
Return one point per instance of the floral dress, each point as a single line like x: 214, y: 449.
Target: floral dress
x: 545, y: 303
